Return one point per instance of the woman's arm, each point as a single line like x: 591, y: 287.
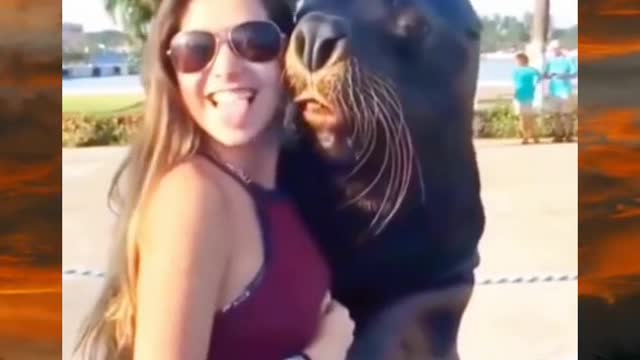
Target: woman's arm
x: 183, y: 258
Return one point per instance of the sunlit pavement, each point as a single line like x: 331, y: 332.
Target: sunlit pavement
x: 530, y: 197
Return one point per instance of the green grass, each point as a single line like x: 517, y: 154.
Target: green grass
x: 102, y: 104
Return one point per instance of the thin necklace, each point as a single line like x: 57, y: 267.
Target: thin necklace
x: 241, y: 174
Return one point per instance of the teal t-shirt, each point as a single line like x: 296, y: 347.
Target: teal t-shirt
x: 525, y: 79
x: 563, y: 70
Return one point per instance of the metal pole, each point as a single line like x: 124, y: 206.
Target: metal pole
x: 539, y: 33
x: 537, y: 46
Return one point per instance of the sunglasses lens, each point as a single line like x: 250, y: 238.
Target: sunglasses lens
x: 257, y: 41
x: 191, y: 51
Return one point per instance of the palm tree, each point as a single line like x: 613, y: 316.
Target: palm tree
x: 134, y: 15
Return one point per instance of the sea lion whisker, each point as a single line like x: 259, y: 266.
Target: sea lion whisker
x: 400, y: 172
x: 350, y: 96
x: 368, y: 120
x: 368, y: 146
x: 357, y: 130
x: 371, y: 130
x: 395, y: 186
x: 348, y: 91
x: 403, y: 137
x: 364, y: 192
x: 386, y: 158
x: 390, y: 166
x: 408, y: 144
x: 347, y: 95
x: 414, y: 161
x: 362, y: 113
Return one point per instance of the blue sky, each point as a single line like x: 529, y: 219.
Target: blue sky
x: 91, y: 13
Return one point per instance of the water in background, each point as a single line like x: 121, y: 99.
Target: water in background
x: 492, y: 72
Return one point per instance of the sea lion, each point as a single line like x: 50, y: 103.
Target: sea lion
x: 384, y: 169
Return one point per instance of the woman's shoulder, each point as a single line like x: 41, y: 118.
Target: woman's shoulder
x: 193, y: 179
x: 189, y: 198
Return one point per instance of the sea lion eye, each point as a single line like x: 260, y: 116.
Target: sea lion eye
x: 410, y: 23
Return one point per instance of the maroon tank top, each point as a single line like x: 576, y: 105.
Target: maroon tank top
x: 278, y: 313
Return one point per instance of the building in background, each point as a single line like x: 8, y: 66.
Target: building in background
x: 84, y: 56
x: 110, y: 63
x: 73, y: 39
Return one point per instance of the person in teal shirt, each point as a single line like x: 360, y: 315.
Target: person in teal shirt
x: 525, y: 79
x: 560, y: 71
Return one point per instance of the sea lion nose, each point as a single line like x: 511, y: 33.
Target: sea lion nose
x: 320, y: 40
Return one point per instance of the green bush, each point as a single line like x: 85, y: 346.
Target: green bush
x: 497, y: 121
x: 97, y: 130
x: 502, y: 122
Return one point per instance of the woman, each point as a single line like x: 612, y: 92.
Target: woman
x: 213, y: 263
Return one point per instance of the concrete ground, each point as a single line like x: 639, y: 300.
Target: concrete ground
x: 530, y: 195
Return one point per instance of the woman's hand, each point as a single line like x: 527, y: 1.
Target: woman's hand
x: 335, y: 333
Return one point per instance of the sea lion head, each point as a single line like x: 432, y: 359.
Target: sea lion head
x: 386, y: 91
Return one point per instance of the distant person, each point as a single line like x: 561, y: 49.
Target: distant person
x: 560, y: 70
x: 525, y: 79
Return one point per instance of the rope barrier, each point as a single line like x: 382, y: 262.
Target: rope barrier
x: 71, y: 274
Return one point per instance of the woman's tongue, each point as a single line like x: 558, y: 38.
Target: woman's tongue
x: 233, y: 106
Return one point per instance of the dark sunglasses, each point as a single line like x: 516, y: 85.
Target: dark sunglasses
x: 256, y: 41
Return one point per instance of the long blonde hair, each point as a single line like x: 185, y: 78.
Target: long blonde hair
x: 167, y: 136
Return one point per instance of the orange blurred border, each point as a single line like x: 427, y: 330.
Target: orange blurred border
x: 609, y: 180
x: 30, y: 181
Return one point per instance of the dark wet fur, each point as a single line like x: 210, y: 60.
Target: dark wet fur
x: 422, y: 229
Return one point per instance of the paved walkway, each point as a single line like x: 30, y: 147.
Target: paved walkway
x: 530, y: 195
